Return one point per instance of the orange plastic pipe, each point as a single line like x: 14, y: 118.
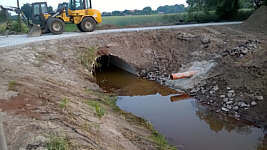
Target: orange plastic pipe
x: 183, y: 75
x: 180, y: 97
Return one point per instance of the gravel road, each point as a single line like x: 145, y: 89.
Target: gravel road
x: 14, y: 40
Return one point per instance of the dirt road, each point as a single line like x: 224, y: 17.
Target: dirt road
x: 23, y: 39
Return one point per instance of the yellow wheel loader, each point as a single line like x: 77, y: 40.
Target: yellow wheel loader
x: 79, y: 12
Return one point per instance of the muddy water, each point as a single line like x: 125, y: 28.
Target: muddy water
x: 178, y: 117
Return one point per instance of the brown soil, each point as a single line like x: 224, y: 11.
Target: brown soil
x: 257, y: 21
x: 44, y: 92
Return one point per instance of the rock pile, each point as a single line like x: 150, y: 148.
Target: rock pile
x: 225, y: 99
x: 247, y: 48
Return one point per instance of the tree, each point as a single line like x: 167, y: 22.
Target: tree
x: 171, y: 9
x: 246, y: 3
x: 117, y: 13
x: 227, y: 9
x: 147, y: 10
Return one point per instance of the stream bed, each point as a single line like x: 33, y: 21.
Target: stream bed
x: 185, y: 123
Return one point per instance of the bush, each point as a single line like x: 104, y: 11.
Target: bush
x: 2, y: 28
x: 201, y: 17
x: 227, y: 9
x: 58, y: 143
x: 14, y: 26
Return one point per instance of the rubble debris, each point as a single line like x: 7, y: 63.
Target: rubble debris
x: 247, y: 48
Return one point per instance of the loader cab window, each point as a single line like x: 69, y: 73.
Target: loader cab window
x: 44, y: 8
x: 79, y: 4
x: 36, y: 10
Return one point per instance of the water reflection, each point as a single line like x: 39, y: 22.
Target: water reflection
x: 218, y: 122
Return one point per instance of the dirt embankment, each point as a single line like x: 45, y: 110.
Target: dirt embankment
x: 47, y: 92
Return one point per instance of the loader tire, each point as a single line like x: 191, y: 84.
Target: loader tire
x: 88, y: 24
x: 55, y: 25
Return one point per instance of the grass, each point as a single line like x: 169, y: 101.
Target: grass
x: 134, y: 20
x: 12, y: 85
x: 63, y: 103
x: 58, y: 143
x: 110, y: 100
x: 162, y: 142
x: 71, y: 28
x: 88, y: 57
x: 100, y: 111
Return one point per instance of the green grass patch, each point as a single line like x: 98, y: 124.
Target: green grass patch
x: 143, y: 20
x: 100, y: 111
x: 110, y: 100
x: 71, y: 28
x: 88, y: 57
x: 12, y: 85
x: 63, y: 103
x: 58, y: 143
x: 162, y: 142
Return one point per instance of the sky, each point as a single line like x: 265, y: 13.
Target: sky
x: 105, y: 5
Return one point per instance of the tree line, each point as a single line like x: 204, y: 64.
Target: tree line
x: 148, y: 11
x: 225, y: 9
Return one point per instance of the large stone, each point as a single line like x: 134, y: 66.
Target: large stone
x: 235, y: 108
x: 260, y: 98
x: 225, y: 109
x: 226, y: 100
x: 253, y: 103
x: 222, y: 96
x: 242, y: 104
x: 229, y: 102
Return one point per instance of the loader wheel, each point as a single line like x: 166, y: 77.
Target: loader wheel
x: 79, y: 27
x: 55, y: 25
x: 87, y: 25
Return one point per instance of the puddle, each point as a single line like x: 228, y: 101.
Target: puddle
x: 184, y: 123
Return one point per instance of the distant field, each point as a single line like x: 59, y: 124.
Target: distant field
x: 140, y: 20
x: 162, y: 19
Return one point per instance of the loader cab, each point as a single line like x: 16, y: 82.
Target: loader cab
x: 80, y: 4
x: 38, y: 11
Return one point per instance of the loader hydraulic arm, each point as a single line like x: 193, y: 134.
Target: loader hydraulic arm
x: 17, y: 11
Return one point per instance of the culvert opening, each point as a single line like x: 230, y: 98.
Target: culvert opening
x: 107, y: 62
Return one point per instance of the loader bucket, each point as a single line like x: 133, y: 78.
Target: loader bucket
x: 35, y: 31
